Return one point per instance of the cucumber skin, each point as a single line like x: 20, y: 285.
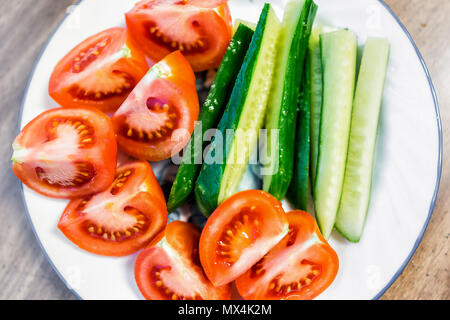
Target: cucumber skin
x: 316, y: 97
x: 238, y: 22
x: 287, y: 121
x: 339, y: 50
x: 300, y: 185
x: 207, y: 187
x: 213, y: 107
x: 355, y: 199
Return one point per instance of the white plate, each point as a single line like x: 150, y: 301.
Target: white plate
x: 407, y: 165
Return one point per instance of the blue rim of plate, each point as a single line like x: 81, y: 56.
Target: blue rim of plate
x: 439, y: 167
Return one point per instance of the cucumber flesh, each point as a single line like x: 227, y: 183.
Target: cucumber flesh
x: 209, y: 117
x: 254, y: 108
x: 244, y: 115
x: 283, y: 102
x: 366, y: 110
x: 338, y: 51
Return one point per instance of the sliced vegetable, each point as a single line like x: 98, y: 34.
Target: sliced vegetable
x: 201, y: 30
x: 120, y: 220
x: 366, y: 110
x: 299, y: 267
x: 339, y: 63
x: 213, y: 107
x: 169, y: 268
x: 100, y: 72
x: 316, y: 96
x: 238, y: 22
x: 66, y: 153
x: 239, y: 233
x: 243, y: 115
x: 283, y: 102
x: 300, y: 187
x: 157, y: 119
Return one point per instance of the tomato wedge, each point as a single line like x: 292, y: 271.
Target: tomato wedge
x: 239, y: 233
x: 200, y: 29
x: 157, y: 119
x: 120, y: 220
x: 169, y: 269
x: 99, y: 72
x: 300, y: 267
x: 66, y: 153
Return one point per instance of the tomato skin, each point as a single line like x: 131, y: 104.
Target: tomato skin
x: 181, y: 25
x: 257, y: 222
x: 142, y: 131
x: 180, y: 70
x: 179, y: 239
x: 64, y: 78
x: 101, y: 156
x: 287, y: 259
x: 141, y: 191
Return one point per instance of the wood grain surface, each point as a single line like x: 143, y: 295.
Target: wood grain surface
x: 24, y: 271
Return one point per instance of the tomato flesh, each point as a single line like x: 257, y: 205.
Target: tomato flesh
x: 169, y: 269
x: 157, y: 119
x: 199, y: 29
x: 299, y: 267
x: 100, y: 72
x: 66, y: 153
x: 120, y: 220
x: 239, y: 233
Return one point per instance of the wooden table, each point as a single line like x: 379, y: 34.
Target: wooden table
x: 24, y: 271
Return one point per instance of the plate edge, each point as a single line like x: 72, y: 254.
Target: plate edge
x: 440, y: 145
x: 27, y: 87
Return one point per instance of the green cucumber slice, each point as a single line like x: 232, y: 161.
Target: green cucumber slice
x: 316, y: 96
x: 238, y: 22
x: 355, y: 198
x: 300, y: 188
x: 316, y: 93
x: 339, y: 50
x: 213, y: 107
x: 283, y: 102
x: 245, y: 111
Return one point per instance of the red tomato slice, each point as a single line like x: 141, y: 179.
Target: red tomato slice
x: 120, y: 220
x: 157, y: 119
x: 66, y: 153
x: 100, y: 72
x: 200, y: 29
x: 239, y: 233
x: 300, y: 267
x: 169, y: 269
